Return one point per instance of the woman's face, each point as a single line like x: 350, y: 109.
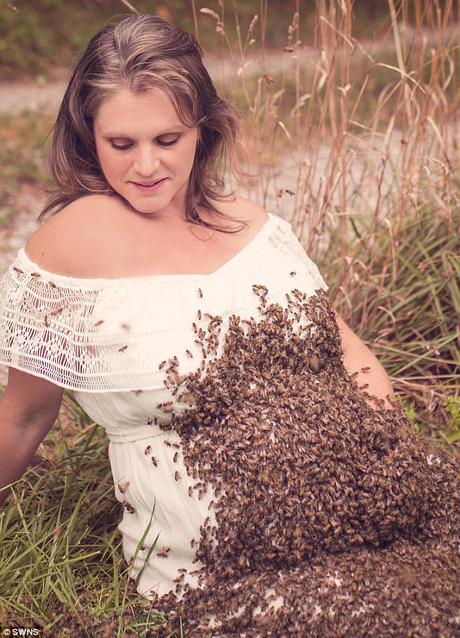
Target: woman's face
x: 139, y: 141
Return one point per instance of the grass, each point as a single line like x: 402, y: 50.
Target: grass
x: 358, y: 149
x: 22, y: 141
x: 65, y: 568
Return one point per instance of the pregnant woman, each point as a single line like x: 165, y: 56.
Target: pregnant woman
x: 265, y: 490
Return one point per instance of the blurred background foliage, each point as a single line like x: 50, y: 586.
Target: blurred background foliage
x: 44, y: 36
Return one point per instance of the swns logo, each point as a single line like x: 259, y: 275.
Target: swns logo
x: 21, y: 631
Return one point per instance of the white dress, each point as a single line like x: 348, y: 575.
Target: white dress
x: 106, y: 341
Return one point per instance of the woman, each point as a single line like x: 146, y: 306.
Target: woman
x: 260, y: 484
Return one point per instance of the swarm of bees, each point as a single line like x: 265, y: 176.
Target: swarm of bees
x: 328, y: 517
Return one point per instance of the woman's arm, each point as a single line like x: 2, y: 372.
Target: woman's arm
x: 357, y: 356
x: 29, y: 408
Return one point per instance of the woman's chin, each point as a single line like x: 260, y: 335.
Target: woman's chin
x: 141, y: 206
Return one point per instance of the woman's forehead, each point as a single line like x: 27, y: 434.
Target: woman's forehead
x: 126, y: 107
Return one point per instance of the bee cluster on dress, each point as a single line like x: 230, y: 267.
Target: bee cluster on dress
x: 329, y: 517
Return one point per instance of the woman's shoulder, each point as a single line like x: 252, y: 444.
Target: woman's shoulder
x: 72, y: 237
x: 241, y: 207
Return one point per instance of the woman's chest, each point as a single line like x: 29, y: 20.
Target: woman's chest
x: 185, y: 248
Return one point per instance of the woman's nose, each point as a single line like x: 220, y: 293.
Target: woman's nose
x: 146, y: 162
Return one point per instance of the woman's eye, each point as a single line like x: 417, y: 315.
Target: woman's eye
x: 119, y: 147
x: 125, y: 147
x: 168, y: 143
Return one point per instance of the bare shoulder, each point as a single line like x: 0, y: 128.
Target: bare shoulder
x: 243, y: 208
x: 68, y: 241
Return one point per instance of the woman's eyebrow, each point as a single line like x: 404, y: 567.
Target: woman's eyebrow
x: 173, y: 129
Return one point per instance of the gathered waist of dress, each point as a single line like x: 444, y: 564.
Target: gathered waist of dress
x: 134, y: 434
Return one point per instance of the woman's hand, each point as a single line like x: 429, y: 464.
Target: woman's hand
x: 358, y: 356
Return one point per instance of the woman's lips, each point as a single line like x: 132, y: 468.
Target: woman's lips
x: 150, y: 187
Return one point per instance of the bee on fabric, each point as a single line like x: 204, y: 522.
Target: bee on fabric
x: 123, y: 487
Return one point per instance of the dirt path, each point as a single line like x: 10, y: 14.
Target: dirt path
x: 27, y: 94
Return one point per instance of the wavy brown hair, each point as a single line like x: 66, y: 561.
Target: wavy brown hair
x: 141, y: 52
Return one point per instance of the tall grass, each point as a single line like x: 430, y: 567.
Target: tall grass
x: 356, y: 141
x: 358, y: 145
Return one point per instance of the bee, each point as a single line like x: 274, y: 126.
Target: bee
x: 129, y: 507
x: 18, y: 269
x: 57, y: 311
x: 98, y: 323
x: 189, y: 354
x: 154, y: 461
x: 200, y: 293
x: 166, y: 405
x: 35, y: 274
x: 147, y: 449
x: 190, y: 490
x: 122, y: 349
x: 149, y: 421
x: 257, y: 287
x: 313, y: 362
x: 52, y: 284
x: 163, y: 553
x: 175, y: 456
x: 47, y: 323
x: 123, y: 487
x: 176, y: 475
x: 293, y: 273
x: 137, y: 392
x: 365, y: 369
x: 199, y: 314
x: 162, y: 364
x: 125, y: 326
